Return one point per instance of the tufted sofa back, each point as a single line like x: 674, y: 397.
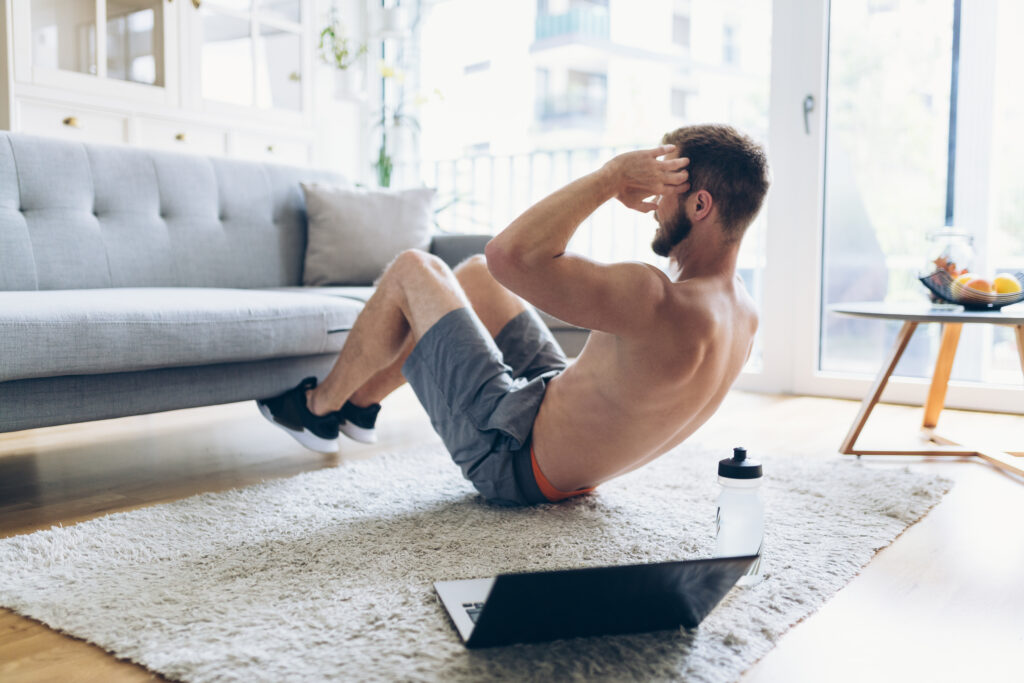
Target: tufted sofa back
x: 75, y: 216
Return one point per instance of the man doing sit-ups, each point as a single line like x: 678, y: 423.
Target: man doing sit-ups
x: 524, y: 424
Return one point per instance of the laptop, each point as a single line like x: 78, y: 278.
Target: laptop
x: 540, y: 606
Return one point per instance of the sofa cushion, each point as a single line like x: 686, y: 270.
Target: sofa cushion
x: 355, y: 233
x: 77, y: 215
x: 71, y: 332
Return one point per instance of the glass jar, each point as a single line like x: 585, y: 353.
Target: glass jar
x: 950, y: 250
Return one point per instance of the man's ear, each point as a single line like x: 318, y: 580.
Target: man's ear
x: 702, y: 205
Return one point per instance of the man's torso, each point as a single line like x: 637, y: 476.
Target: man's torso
x: 628, y: 399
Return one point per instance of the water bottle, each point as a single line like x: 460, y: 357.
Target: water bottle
x: 739, y: 523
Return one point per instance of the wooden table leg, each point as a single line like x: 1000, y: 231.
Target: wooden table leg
x: 1009, y: 461
x: 940, y: 378
x: 868, y: 404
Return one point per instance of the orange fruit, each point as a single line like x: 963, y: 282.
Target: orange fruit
x: 979, y: 284
x: 1004, y: 283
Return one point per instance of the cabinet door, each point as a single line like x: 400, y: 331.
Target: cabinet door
x: 135, y: 37
x: 250, y: 57
x: 63, y: 35
x: 119, y: 48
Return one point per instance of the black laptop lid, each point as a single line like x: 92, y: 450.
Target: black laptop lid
x: 541, y: 606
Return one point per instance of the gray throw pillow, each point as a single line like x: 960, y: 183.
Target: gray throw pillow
x: 355, y: 233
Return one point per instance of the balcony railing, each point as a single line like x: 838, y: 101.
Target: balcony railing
x: 583, y: 22
x: 572, y: 110
x: 484, y: 193
x: 487, y: 192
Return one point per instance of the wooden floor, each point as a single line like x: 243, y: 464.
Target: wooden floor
x: 945, y: 602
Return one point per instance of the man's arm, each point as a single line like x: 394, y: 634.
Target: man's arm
x: 529, y: 257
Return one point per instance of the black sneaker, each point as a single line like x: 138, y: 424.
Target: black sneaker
x: 289, y: 412
x: 358, y: 423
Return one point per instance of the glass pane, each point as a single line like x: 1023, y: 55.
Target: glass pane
x: 134, y: 41
x: 64, y: 35
x: 503, y: 118
x: 280, y: 69
x: 1006, y: 238
x: 236, y: 5
x: 885, y: 188
x: 227, y: 70
x: 289, y: 10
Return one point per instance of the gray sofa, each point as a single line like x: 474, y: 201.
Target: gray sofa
x: 135, y: 281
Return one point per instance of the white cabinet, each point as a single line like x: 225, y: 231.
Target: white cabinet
x: 206, y: 76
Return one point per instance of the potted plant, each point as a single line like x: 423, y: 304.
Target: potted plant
x: 391, y: 122
x: 340, y: 52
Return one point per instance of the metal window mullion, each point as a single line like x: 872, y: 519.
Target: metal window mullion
x: 954, y: 84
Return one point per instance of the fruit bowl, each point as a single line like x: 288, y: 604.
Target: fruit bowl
x: 945, y: 286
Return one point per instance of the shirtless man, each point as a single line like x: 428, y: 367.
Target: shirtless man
x: 524, y: 425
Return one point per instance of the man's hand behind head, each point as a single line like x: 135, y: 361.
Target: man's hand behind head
x: 637, y: 176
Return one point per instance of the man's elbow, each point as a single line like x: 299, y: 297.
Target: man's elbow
x: 502, y: 262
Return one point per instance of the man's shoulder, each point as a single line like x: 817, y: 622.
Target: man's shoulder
x: 648, y: 286
x: 706, y: 304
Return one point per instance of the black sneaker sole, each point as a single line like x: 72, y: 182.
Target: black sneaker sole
x: 304, y: 437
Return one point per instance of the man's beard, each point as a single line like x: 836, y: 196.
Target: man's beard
x: 671, y: 233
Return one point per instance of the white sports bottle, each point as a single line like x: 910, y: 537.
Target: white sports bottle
x: 739, y: 523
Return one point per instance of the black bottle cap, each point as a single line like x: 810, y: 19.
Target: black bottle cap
x: 738, y: 467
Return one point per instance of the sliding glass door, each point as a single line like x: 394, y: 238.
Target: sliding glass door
x: 922, y: 146
x: 886, y: 166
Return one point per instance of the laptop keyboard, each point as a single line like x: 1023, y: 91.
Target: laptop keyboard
x: 473, y: 609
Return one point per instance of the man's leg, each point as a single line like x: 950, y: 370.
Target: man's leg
x: 416, y: 291
x: 493, y: 303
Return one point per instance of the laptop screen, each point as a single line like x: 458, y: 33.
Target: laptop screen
x: 541, y: 606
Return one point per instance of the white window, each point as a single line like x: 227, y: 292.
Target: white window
x: 681, y: 30
x: 679, y: 100
x: 729, y: 44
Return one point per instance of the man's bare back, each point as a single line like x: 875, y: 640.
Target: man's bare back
x: 628, y: 399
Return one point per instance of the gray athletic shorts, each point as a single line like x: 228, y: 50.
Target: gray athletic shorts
x: 483, y: 394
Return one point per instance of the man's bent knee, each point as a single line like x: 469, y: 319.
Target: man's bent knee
x: 424, y: 287
x: 417, y: 259
x: 412, y: 263
x: 476, y: 262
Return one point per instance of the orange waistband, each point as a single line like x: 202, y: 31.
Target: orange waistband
x: 549, y: 491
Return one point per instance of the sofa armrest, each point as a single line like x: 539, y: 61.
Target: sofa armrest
x: 454, y: 248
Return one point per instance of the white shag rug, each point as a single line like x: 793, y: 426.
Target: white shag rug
x: 328, y: 575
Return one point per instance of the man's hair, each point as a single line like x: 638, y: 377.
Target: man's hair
x: 730, y: 166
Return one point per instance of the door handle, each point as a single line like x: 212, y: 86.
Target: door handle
x: 808, y: 108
